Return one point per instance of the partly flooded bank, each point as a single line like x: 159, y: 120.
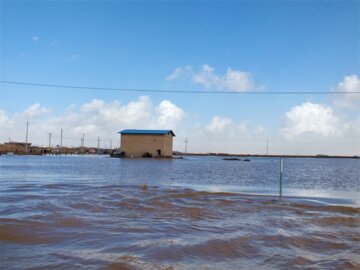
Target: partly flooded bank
x: 63, y: 214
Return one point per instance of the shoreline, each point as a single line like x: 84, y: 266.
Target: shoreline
x: 264, y: 155
x: 179, y: 155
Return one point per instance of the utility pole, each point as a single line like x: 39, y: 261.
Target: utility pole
x: 50, y: 134
x: 26, y: 140
x: 98, y: 148
x: 83, y: 140
x: 186, y: 142
x: 61, y: 137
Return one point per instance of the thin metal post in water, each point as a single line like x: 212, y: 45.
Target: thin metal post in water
x: 281, y: 177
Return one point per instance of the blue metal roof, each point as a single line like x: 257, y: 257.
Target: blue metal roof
x: 147, y: 131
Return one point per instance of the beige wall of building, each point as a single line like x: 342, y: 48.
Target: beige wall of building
x: 136, y: 145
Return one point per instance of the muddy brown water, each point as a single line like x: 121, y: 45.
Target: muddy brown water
x: 102, y: 213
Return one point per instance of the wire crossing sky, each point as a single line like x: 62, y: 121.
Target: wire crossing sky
x: 183, y: 91
x: 227, y: 75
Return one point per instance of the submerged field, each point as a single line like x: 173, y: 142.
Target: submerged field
x: 196, y: 213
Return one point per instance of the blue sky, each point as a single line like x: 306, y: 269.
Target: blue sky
x: 277, y: 45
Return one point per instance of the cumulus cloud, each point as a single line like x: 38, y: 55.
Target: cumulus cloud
x: 312, y: 128
x: 94, y: 105
x: 96, y: 118
x: 349, y: 84
x: 4, y: 119
x: 238, y: 81
x: 354, y: 128
x: 179, y: 72
x: 34, y: 110
x: 308, y: 128
x: 311, y: 119
x: 168, y: 114
x: 225, y: 135
x: 35, y: 38
x: 232, y: 80
x: 218, y: 124
x: 206, y: 76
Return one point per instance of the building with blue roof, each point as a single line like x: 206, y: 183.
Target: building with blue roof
x: 147, y: 131
x: 146, y: 143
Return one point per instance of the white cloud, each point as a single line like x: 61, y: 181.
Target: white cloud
x: 136, y: 112
x: 232, y: 80
x: 3, y: 118
x: 94, y: 105
x: 179, y: 72
x: 223, y: 135
x: 34, y: 110
x: 259, y: 130
x: 35, y: 38
x: 13, y: 126
x: 354, y: 128
x: 206, y: 77
x: 310, y: 119
x: 218, y: 124
x: 350, y: 83
x: 96, y: 118
x: 168, y: 114
x: 308, y: 128
x: 238, y: 81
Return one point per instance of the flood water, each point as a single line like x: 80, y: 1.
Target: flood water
x: 88, y: 212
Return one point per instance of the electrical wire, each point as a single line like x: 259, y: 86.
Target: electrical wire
x: 182, y: 91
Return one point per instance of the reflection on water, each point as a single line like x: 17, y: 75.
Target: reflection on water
x: 102, y: 213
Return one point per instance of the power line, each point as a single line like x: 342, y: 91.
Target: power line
x: 181, y: 91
